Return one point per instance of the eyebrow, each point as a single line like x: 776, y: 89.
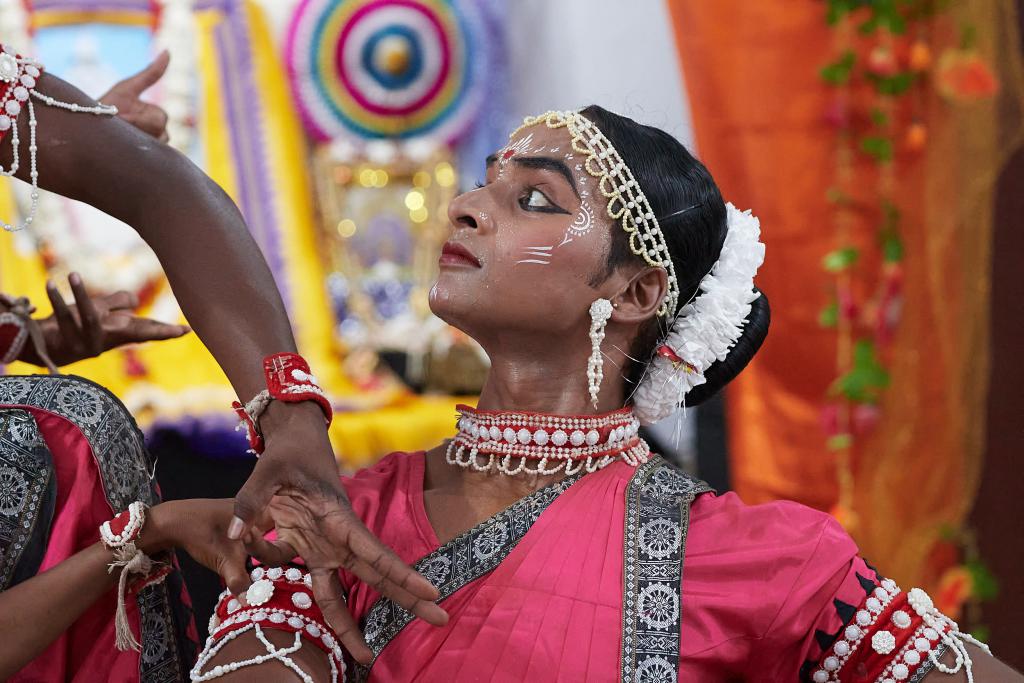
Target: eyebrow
x: 549, y: 164
x: 543, y: 163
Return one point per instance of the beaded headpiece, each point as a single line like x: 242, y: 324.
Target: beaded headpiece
x: 626, y: 201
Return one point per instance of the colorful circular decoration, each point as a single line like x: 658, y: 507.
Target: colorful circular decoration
x: 386, y: 68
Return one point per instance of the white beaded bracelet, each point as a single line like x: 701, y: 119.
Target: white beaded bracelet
x: 129, y: 532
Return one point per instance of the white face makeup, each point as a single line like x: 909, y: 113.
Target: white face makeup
x: 513, y: 148
x: 581, y: 224
x: 533, y: 210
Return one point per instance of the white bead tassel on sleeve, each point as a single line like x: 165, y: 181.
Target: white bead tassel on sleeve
x: 20, y: 75
x: 953, y: 638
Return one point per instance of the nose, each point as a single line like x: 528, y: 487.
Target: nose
x: 469, y: 210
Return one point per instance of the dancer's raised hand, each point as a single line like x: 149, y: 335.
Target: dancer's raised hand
x: 126, y: 95
x: 92, y: 325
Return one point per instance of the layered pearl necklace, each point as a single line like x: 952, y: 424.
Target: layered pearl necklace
x: 537, y: 443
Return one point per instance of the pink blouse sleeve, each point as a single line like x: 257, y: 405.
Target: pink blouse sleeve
x: 841, y: 621
x: 756, y: 579
x: 832, y: 581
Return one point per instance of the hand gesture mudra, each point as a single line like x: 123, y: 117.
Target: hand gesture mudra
x: 324, y: 531
x: 93, y: 325
x: 126, y: 96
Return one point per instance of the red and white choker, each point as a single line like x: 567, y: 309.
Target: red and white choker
x: 538, y: 443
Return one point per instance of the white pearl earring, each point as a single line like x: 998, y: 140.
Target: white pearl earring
x: 600, y: 311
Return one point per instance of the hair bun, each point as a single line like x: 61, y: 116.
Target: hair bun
x: 755, y: 330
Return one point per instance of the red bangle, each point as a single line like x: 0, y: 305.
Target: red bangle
x: 289, y: 380
x: 125, y: 527
x: 13, y: 333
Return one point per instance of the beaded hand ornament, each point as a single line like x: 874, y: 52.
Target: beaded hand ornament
x: 13, y: 335
x: 279, y: 599
x: 119, y: 535
x: 18, y: 77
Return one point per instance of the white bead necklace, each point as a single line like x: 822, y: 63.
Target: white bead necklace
x: 534, y: 443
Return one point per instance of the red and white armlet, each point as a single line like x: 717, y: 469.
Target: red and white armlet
x: 281, y: 599
x: 119, y: 535
x: 288, y: 379
x: 894, y: 637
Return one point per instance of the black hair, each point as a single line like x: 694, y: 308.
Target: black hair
x: 692, y: 216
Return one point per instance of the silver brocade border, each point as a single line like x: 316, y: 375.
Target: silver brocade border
x: 658, y: 502
x: 125, y: 472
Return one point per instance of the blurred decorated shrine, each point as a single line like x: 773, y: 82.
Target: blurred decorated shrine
x: 339, y: 137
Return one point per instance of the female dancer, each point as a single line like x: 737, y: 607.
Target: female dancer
x: 608, y: 282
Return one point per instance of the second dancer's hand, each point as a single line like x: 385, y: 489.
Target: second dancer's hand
x: 314, y: 520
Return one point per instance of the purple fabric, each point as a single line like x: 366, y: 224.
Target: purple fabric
x: 256, y: 187
x: 211, y: 436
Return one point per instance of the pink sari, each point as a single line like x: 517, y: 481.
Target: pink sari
x: 570, y: 601
x: 75, y: 454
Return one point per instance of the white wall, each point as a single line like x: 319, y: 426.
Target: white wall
x: 621, y: 55
x: 570, y: 53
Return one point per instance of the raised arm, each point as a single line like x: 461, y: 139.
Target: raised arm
x: 228, y: 295
x: 215, y: 268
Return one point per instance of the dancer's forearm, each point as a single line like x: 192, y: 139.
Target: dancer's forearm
x: 214, y: 266
x: 35, y: 612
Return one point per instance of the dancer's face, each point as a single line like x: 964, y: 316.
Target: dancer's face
x: 540, y: 234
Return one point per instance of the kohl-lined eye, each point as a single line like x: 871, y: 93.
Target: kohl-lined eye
x: 535, y: 200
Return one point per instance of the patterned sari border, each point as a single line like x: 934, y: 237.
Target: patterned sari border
x: 658, y: 502
x: 127, y: 475
x: 28, y: 493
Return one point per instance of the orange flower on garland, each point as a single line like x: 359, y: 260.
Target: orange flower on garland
x: 955, y: 587
x: 965, y: 76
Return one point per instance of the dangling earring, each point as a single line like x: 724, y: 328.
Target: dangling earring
x: 600, y: 311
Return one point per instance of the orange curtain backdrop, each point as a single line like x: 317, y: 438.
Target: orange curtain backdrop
x: 757, y: 103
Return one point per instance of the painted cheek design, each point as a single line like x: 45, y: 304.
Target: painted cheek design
x: 538, y: 255
x: 581, y: 224
x: 584, y: 219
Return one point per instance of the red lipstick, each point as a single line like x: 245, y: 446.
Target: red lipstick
x: 455, y: 254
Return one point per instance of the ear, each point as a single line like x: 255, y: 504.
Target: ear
x: 641, y: 296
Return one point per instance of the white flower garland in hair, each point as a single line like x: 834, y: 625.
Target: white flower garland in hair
x: 704, y: 330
